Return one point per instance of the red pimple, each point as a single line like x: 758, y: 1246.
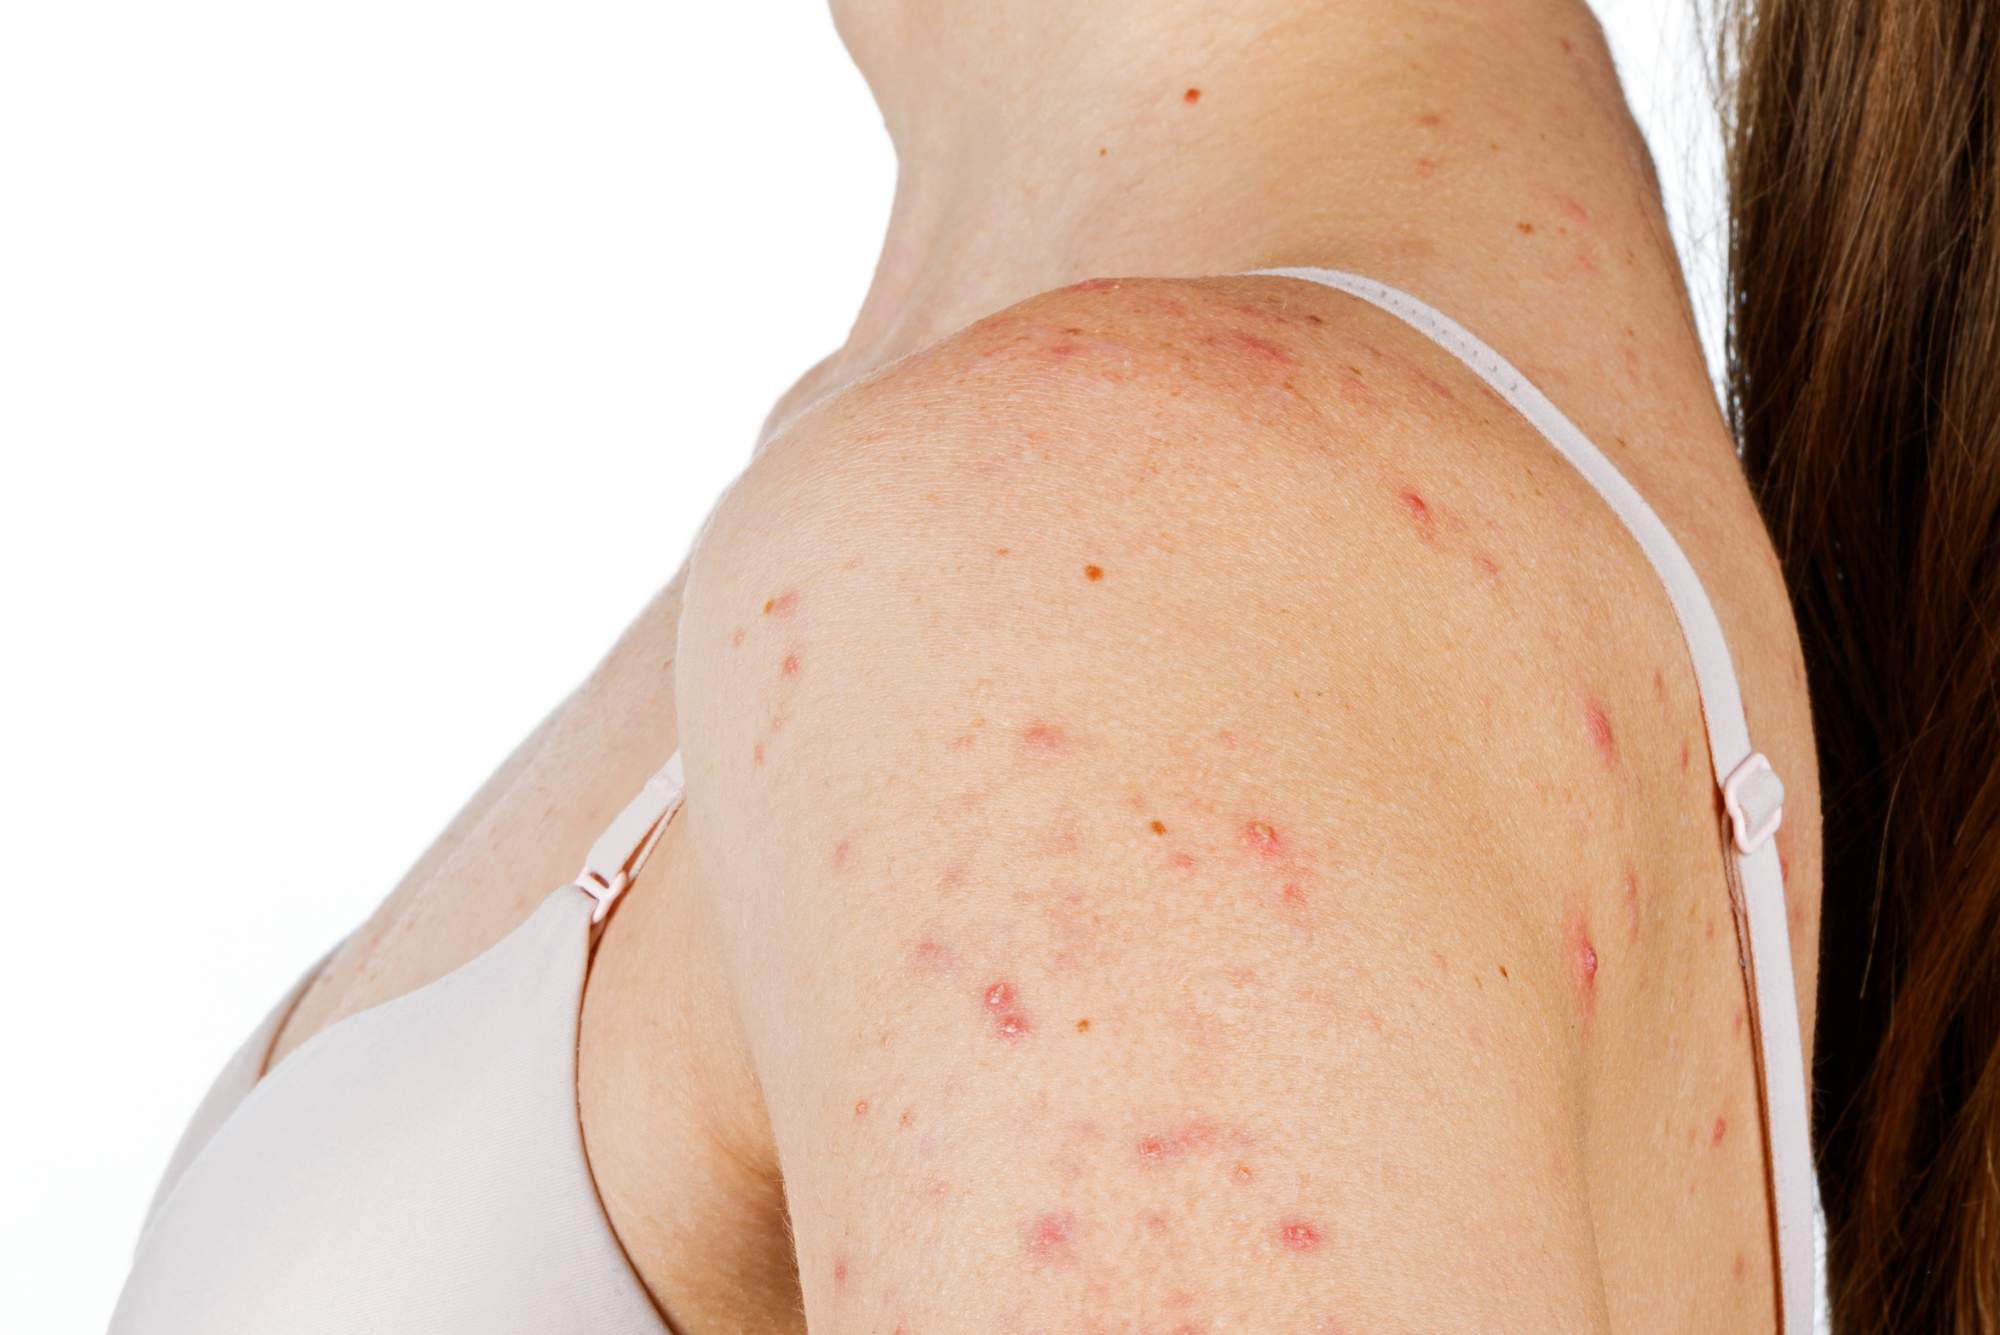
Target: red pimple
x: 1191, y: 96
x: 861, y: 1108
x: 790, y: 667
x: 1008, y: 1022
x: 783, y: 605
x: 1045, y: 737
x: 1598, y: 724
x: 1300, y: 1236
x: 1050, y: 1238
x: 1293, y: 895
x: 1716, y: 1132
x: 840, y: 1271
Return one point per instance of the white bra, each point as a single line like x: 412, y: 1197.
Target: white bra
x: 419, y: 1166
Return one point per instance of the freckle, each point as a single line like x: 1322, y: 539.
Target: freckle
x: 1601, y: 737
x: 790, y: 667
x: 1191, y: 96
x: 1093, y: 573
x: 736, y: 640
x: 1046, y: 737
x: 1527, y: 229
x: 1183, y: 862
x: 861, y: 1108
x: 1300, y: 1236
x: 1159, y: 827
x: 1050, y: 1238
x: 1429, y: 118
x: 1716, y: 1132
x: 1083, y: 1026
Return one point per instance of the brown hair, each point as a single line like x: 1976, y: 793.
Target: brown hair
x: 1865, y: 389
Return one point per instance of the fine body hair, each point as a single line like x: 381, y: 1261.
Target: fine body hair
x: 1865, y: 384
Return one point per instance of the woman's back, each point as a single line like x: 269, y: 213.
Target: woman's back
x: 1197, y: 816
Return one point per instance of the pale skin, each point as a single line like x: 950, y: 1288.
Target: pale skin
x: 1198, y: 818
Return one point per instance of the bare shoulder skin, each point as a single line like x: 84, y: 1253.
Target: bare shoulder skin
x: 1198, y: 818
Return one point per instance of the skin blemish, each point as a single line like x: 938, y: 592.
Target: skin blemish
x: 1631, y: 903
x: 841, y: 852
x: 1741, y: 1267
x: 1708, y: 929
x: 1573, y: 211
x: 1257, y: 347
x: 1736, y: 1022
x: 1440, y: 390
x: 1503, y: 971
x: 1226, y: 740
x: 1243, y: 1175
x: 1190, y: 1137
x: 1008, y: 1021
x: 1420, y: 514
x: 1050, y: 1239
x: 1093, y: 573
x: 1191, y: 96
x: 1300, y: 1235
x: 757, y: 754
x: 1684, y: 757
x: 783, y: 605
x: 790, y: 667
x: 1261, y: 839
x: 1429, y: 118
x: 1425, y: 167
x: 1083, y: 1026
x: 1525, y: 228
x: 1598, y: 725
x: 1717, y: 1132
x: 1582, y: 961
x: 1487, y: 568
x: 1293, y: 895
x: 736, y: 640
x: 840, y: 1272
x: 861, y: 1108
x: 1159, y: 827
x: 1183, y: 862
x: 1045, y: 737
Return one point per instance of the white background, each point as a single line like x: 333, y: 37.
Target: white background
x: 363, y: 368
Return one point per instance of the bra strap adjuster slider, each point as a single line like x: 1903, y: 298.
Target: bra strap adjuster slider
x: 1754, y: 797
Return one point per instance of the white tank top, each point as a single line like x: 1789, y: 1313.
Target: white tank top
x: 419, y: 1167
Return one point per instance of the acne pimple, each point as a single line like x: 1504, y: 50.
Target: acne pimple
x: 1716, y: 1132
x: 790, y: 667
x: 1300, y: 1235
x: 783, y: 605
x: 1420, y: 513
x: 1050, y: 1238
x: 861, y: 1108
x: 1008, y: 1021
x: 1261, y: 839
x: 1045, y: 737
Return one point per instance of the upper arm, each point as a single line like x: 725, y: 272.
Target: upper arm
x: 1107, y: 744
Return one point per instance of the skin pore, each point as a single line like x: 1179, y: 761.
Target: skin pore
x: 1198, y: 820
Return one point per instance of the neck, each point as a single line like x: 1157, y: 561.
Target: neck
x: 1456, y: 148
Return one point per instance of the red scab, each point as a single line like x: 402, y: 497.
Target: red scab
x: 1190, y: 1137
x: 1263, y: 840
x: 1191, y: 96
x: 1300, y: 1235
x: 1050, y: 1239
x: 1257, y: 347
x: 790, y: 667
x: 1598, y: 724
x: 1093, y: 573
x: 1684, y: 757
x: 1420, y: 514
x: 1717, y: 1132
x: 1008, y: 1021
x: 1045, y: 737
x: 783, y: 605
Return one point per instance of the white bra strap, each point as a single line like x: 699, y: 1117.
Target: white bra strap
x: 1752, y: 794
x: 614, y: 860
